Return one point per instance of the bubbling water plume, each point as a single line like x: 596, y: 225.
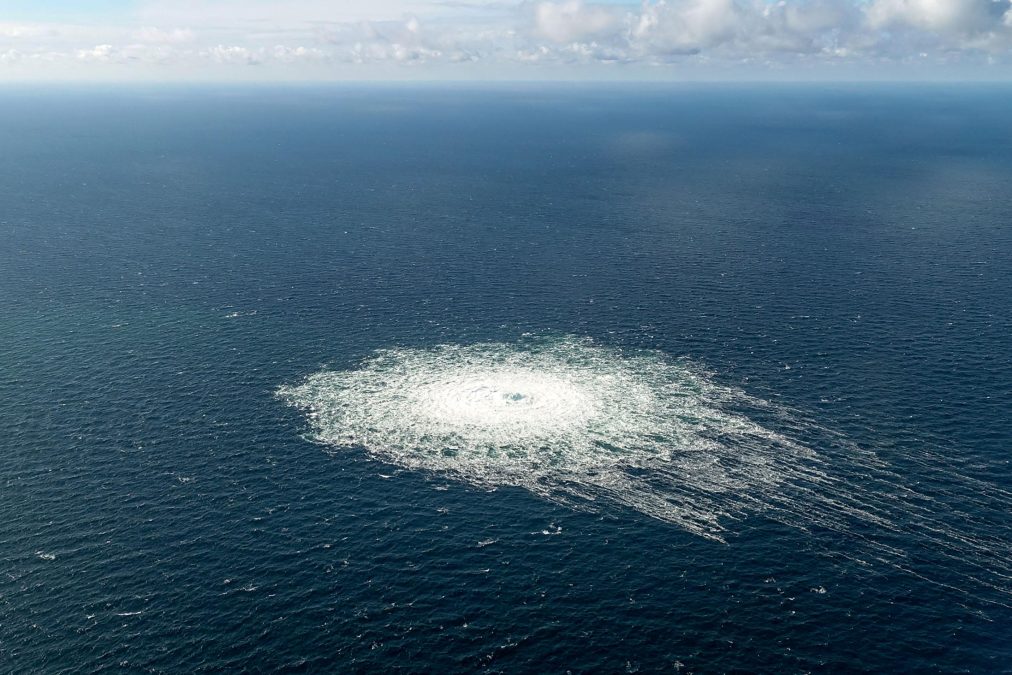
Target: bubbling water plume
x: 590, y: 426
x: 567, y: 420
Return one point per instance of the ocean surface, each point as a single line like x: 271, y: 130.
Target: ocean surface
x: 524, y: 378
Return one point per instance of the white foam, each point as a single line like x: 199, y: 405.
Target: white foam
x: 565, y: 419
x: 592, y: 427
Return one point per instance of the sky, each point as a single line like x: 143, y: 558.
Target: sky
x: 339, y: 40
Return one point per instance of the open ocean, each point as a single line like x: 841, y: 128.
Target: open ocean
x: 506, y: 379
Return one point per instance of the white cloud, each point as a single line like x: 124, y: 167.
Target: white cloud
x: 688, y: 26
x: 13, y: 31
x: 172, y: 36
x: 287, y: 54
x: 572, y: 20
x: 943, y: 16
x: 10, y: 56
x: 101, y: 53
x: 231, y: 54
x: 514, y: 38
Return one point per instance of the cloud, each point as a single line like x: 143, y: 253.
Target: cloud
x: 10, y: 56
x: 516, y: 38
x: 232, y: 54
x: 173, y: 36
x: 689, y: 26
x: 15, y: 31
x: 572, y: 20
x: 287, y: 54
x: 953, y: 17
x: 101, y: 53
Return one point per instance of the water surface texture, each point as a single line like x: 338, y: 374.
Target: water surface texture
x: 509, y: 379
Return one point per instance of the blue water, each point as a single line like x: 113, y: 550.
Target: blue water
x: 171, y: 257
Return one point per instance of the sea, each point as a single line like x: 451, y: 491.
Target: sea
x: 511, y: 378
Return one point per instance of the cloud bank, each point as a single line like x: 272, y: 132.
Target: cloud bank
x: 312, y: 39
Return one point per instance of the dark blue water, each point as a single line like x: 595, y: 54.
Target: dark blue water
x: 171, y: 257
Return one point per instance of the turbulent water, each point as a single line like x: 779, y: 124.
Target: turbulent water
x: 586, y: 425
x: 563, y: 419
x: 514, y: 379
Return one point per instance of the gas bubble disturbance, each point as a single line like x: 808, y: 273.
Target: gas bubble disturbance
x: 595, y: 427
